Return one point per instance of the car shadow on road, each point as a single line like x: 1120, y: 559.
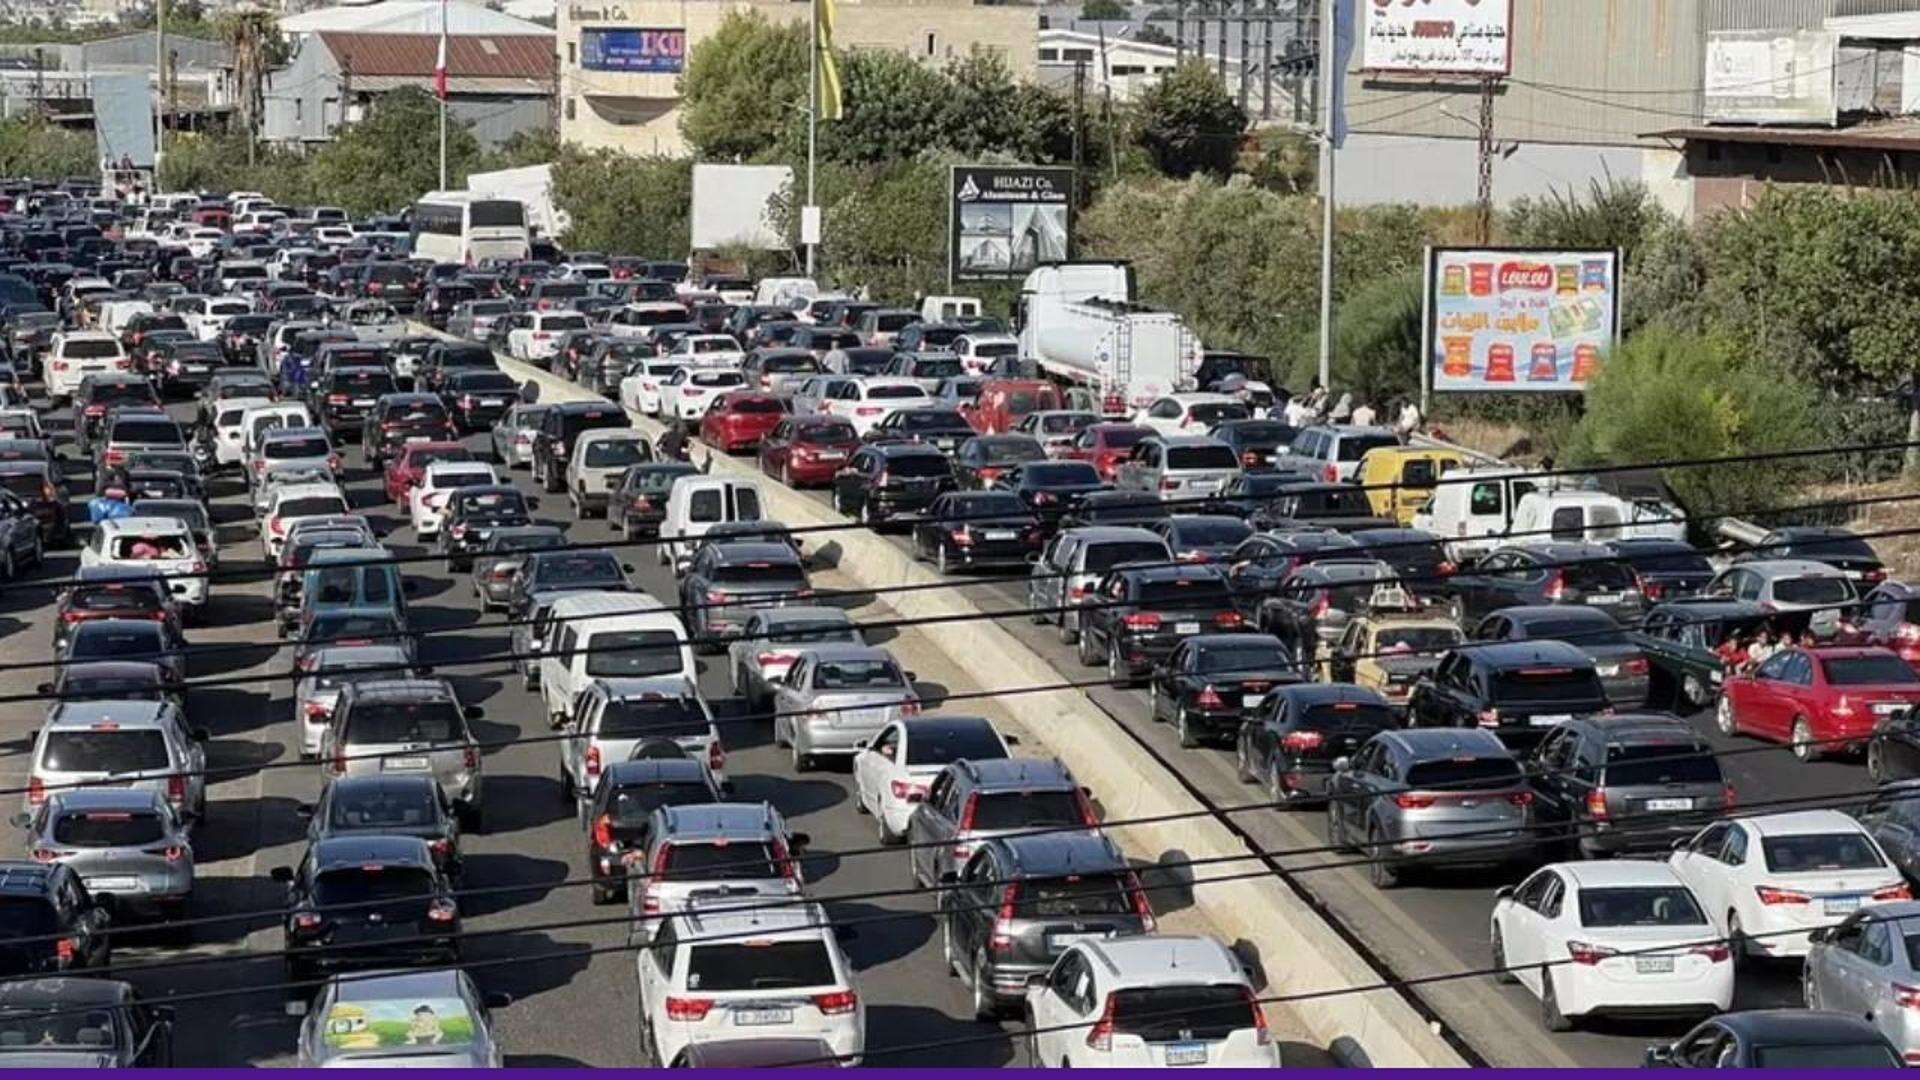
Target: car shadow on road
x: 231, y: 657
x: 236, y: 828
x: 515, y: 803
x: 881, y: 935
x: 525, y: 964
x: 234, y: 759
x: 795, y: 798
x: 484, y: 878
x: 228, y: 609
x: 984, y: 1046
x: 236, y: 710
x: 1169, y: 881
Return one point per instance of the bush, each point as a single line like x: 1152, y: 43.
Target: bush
x: 1189, y: 123
x: 741, y: 87
x: 616, y: 202
x: 1671, y: 394
x: 1376, y: 340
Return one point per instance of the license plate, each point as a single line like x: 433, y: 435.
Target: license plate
x: 1888, y: 708
x: 761, y: 1017
x: 1603, y: 598
x: 363, y: 401
x: 1550, y: 719
x: 1669, y: 804
x: 113, y: 884
x: 1653, y: 965
x: 405, y: 763
x: 1186, y: 628
x: 1002, y: 534
x: 613, y: 482
x: 1251, y: 700
x: 491, y: 401
x: 831, y: 455
x: 1841, y: 905
x: 1186, y: 1053
x: 1609, y: 671
x: 1063, y: 942
x: 419, y: 438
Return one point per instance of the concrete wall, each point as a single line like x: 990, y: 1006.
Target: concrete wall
x: 303, y: 98
x: 1445, y: 171
x: 639, y: 113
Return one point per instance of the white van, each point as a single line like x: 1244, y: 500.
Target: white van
x: 1472, y: 508
x: 1594, y: 517
x: 785, y: 291
x: 948, y: 308
x: 608, y: 635
x: 698, y: 503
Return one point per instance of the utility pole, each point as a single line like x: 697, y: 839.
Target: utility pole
x: 1079, y: 122
x: 1179, y: 31
x: 1484, y: 223
x: 813, y: 116
x: 1266, y: 64
x: 160, y: 88
x: 1222, y: 64
x: 1246, y: 55
x: 443, y: 73
x: 1327, y: 91
x: 39, y: 80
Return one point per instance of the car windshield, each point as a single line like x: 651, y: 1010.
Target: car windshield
x: 108, y: 828
x: 1826, y: 1056
x: 165, y: 432
x: 1415, y: 639
x: 1464, y: 772
x: 931, y: 420
x: 1820, y: 853
x: 281, y: 449
x: 1072, y: 897
x: 759, y: 965
x: 1812, y: 590
x: 1201, y: 457
x: 1582, y: 632
x: 1210, y: 533
x: 373, y: 887
x: 114, y: 597
x: 611, y: 453
x: 637, y: 653
x: 1867, y: 670
x: 631, y: 804
x: 1027, y: 809
x: 55, y: 1025
x: 728, y: 860
x: 577, y: 568
x: 653, y: 718
x: 385, y: 806
x: 1643, y: 905
x: 110, y: 688
x: 858, y: 675
x: 945, y: 745
x: 1657, y: 763
x: 1063, y: 474
x: 335, y: 678
x: 102, y: 751
x: 1212, y: 412
x: 377, y: 722
x: 1221, y: 660
x: 341, y: 584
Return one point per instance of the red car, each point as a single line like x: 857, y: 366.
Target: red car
x: 1822, y: 700
x: 1003, y: 402
x: 1106, y: 446
x: 807, y: 450
x: 739, y: 419
x: 405, y: 469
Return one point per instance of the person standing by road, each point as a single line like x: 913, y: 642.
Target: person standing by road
x: 1363, y: 415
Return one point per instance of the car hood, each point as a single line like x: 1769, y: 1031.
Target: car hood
x: 56, y: 1059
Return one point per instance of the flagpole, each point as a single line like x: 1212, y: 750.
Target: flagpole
x: 813, y: 105
x: 443, y: 95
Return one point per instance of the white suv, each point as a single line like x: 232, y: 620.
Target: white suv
x: 427, y: 501
x: 1145, y: 1002
x: 76, y: 354
x: 162, y: 546
x: 728, y: 970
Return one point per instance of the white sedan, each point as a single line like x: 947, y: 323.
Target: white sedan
x: 640, y: 391
x: 1769, y: 881
x: 690, y: 392
x: 892, y: 773
x: 427, y: 502
x: 1600, y: 937
x: 868, y: 401
x: 1190, y: 413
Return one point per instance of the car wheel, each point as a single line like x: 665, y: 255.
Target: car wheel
x: 1551, y: 1017
x: 1189, y: 740
x: 1276, y: 787
x: 801, y: 762
x: 1499, y: 950
x: 786, y: 475
x: 1085, y: 651
x: 1737, y: 943
x: 1380, y: 869
x: 866, y: 514
x: 566, y: 787
x: 888, y: 838
x: 984, y: 1007
x: 1069, y: 627
x: 1804, y: 746
x: 1723, y: 717
x: 1117, y: 672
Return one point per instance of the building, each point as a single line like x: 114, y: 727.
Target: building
x: 1595, y: 89
x: 620, y: 62
x: 407, y: 17
x: 59, y: 76
x: 1121, y: 64
x: 499, y: 85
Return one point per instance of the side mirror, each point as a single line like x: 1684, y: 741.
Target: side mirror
x: 1819, y: 934
x: 163, y: 1013
x: 1503, y: 892
x: 473, y: 712
x: 799, y: 840
x: 297, y: 1007
x: 912, y: 676
x: 1342, y: 764
x: 916, y: 797
x: 423, y: 670
x: 845, y: 933
x: 498, y: 999
x: 409, y: 586
x: 1010, y: 740
x: 45, y: 688
x: 628, y: 567
x: 304, y: 810
x: 1659, y: 1057
x: 533, y: 502
x: 282, y: 874
x: 1679, y: 844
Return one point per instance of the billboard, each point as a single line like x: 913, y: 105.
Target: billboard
x: 1004, y: 221
x: 633, y: 50
x: 1507, y: 320
x: 734, y: 206
x: 1771, y: 77
x: 1437, y: 37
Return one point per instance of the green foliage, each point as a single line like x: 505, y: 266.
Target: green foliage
x: 1663, y: 271
x: 217, y: 161
x: 884, y: 227
x: 617, y: 202
x: 1667, y: 393
x: 1189, y: 123
x: 893, y: 108
x: 32, y: 147
x: 1105, y: 11
x: 1376, y: 339
x: 742, y: 87
x: 390, y: 157
x: 987, y: 111
x: 1152, y: 34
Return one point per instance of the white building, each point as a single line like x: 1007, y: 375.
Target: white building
x: 1129, y: 67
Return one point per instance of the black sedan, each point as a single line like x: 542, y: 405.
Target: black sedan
x: 621, y: 808
x: 1257, y: 443
x: 943, y: 428
x: 1202, y: 537
x: 984, y: 459
x: 1668, y: 569
x: 368, y: 901
x: 1213, y: 682
x: 388, y: 804
x: 1115, y: 508
x: 977, y: 528
x: 1778, y: 1039
x: 1141, y: 615
x: 883, y: 483
x: 474, y: 513
x: 1291, y: 745
x: 479, y: 398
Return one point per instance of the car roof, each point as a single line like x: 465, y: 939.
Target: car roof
x: 1531, y: 613
x: 1165, y: 959
x: 1059, y: 854
x: 328, y: 656
x: 1018, y: 772
x: 1803, y: 822
x: 335, y: 852
x: 907, y: 449
x: 1564, y: 549
x: 407, y: 986
x: 722, y: 918
x: 143, y: 525
x: 733, y: 552
x: 1429, y: 743
x: 1318, y: 693
x: 1799, y: 1026
x: 1611, y: 873
x: 438, y: 689
x: 1104, y: 534
x: 62, y: 990
x: 75, y: 715
x: 1778, y: 568
x: 846, y: 650
x: 718, y: 819
x: 105, y: 798
x: 1171, y: 441
x: 1513, y: 654
x: 381, y: 781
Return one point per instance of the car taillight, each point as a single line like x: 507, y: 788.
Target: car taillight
x: 1635, y: 666
x: 1772, y: 896
x: 1100, y: 1035
x: 910, y: 707
x: 1077, y: 592
x: 603, y: 831
x: 36, y: 790
x: 867, y: 411
x: 961, y: 537
x: 1002, y: 939
x: 470, y: 757
x: 837, y: 1003
x: 1520, y: 798
x: 44, y: 855
x: 1716, y: 953
x: 1556, y: 587
x: 716, y: 596
x: 716, y: 756
x: 1901, y: 891
x: 906, y: 790
x: 1597, y: 804
x: 1727, y: 798
x: 1408, y: 800
x: 1297, y: 741
x: 466, y: 401
x: 441, y: 848
x: 1141, y: 909
x: 317, y: 711
x: 176, y: 789
x: 441, y: 911
x: 1331, y: 473
x: 338, y: 399
x: 64, y: 949
x: 1582, y: 953
x: 1208, y: 699
x: 1842, y: 707
x: 1141, y: 620
x: 339, y: 761
x: 649, y: 900
x: 1321, y: 603
x: 593, y: 763
x: 688, y: 1008
x: 1168, y: 483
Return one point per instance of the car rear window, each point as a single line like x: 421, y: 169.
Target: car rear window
x: 387, y: 806
x: 577, y: 567
x: 146, y: 431
x: 1354, y: 447
x: 312, y: 506
x: 90, y: 350
x: 1812, y: 590
x: 1820, y: 853
x: 104, y: 641
x: 761, y: 575
x: 1201, y: 457
x: 613, y: 453
x: 24, y: 484
x: 781, y: 365
x: 1066, y: 472
x: 1582, y: 632
x: 1184, y: 594
x: 759, y: 965
x: 726, y: 860
x: 342, y: 628
x: 1645, y: 905
x: 636, y: 653
x: 996, y: 810
x: 1548, y: 686
x: 1347, y: 717
x: 889, y: 393
x: 1657, y: 763
x: 1600, y: 577
x: 918, y: 466
x: 949, y: 745
x: 1103, y: 557
x: 650, y: 718
x: 376, y: 722
x: 630, y: 804
x: 102, y: 828
x: 282, y: 449
x: 1867, y: 670
x: 141, y: 750
x: 1825, y: 1056
x: 373, y: 887
x: 1182, y: 1013
x: 1243, y: 659
x: 25, y: 916
x: 1464, y: 772
x: 338, y: 585
x: 114, y: 597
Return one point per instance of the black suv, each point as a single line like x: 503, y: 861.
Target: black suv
x: 1300, y: 731
x: 1020, y: 900
x: 186, y: 364
x: 559, y: 428
x: 388, y: 804
x: 1627, y: 784
x: 473, y: 514
x: 1140, y: 614
x: 448, y: 357
x: 1212, y: 683
x: 398, y: 419
x: 49, y: 921
x: 1517, y: 690
x: 368, y: 901
x: 344, y: 396
x: 478, y: 399
x: 441, y: 298
x: 621, y: 808
x: 97, y: 394
x: 883, y: 482
x: 1052, y: 489
x: 1342, y: 507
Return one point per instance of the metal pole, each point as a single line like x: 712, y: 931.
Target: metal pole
x: 160, y: 86
x: 1266, y: 64
x: 813, y: 108
x: 1246, y: 54
x: 1484, y: 224
x: 1328, y: 90
x: 448, y: 60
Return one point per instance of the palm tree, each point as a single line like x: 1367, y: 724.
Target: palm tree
x: 254, y: 36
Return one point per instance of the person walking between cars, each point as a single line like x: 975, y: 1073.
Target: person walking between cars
x: 109, y: 505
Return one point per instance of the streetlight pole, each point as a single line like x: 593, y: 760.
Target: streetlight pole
x: 1329, y: 89
x: 813, y: 123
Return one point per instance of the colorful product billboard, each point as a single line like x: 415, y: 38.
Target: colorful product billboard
x: 645, y: 51
x: 1506, y: 320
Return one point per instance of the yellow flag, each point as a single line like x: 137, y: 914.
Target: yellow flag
x: 827, y: 70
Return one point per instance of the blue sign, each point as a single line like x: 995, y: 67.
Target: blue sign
x: 659, y: 51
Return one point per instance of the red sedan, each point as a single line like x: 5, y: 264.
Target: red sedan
x: 405, y: 469
x: 808, y: 450
x: 1821, y: 700
x: 739, y: 419
x: 1105, y: 445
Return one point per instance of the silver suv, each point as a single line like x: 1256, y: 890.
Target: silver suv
x: 123, y: 842
x: 973, y: 801
x: 1073, y: 565
x: 408, y: 726
x: 138, y: 744
x: 1178, y: 467
x: 613, y: 718
x: 714, y: 850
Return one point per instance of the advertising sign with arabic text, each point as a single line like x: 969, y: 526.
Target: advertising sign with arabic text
x: 1437, y: 37
x: 1508, y: 320
x: 606, y: 48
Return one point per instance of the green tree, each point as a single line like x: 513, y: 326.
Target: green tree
x: 1105, y: 11
x: 30, y: 146
x: 1377, y: 332
x: 390, y: 157
x: 254, y: 36
x: 893, y: 109
x: 1153, y: 34
x: 618, y: 202
x: 1189, y: 123
x: 743, y: 86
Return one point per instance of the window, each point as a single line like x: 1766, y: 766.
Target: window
x: 1484, y: 499
x: 299, y: 110
x: 1048, y: 56
x: 573, y: 51
x: 932, y: 39
x: 570, y: 107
